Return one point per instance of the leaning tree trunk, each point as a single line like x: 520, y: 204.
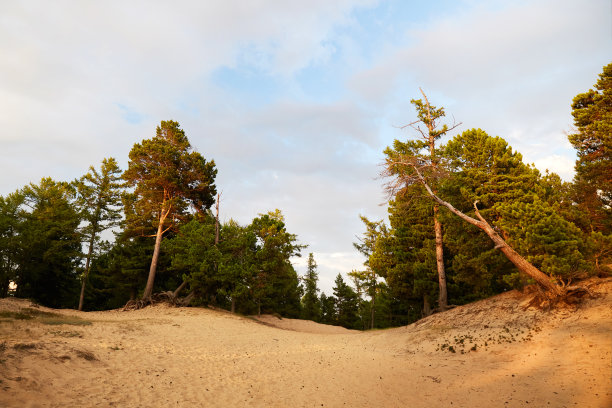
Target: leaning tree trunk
x: 521, y: 263
x: 87, y: 263
x: 146, y: 296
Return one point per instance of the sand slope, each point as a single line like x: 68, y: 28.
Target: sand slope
x: 190, y: 357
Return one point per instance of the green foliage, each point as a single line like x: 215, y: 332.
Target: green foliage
x: 548, y: 241
x: 346, y: 305
x: 167, y: 175
x: 413, y: 272
x: 526, y: 208
x: 328, y: 309
x: 248, y: 269
x: 99, y: 202
x: 311, y: 306
x: 99, y: 198
x: 592, y: 112
x: 50, y: 245
x: 275, y: 281
x: 119, y: 273
x: 10, y: 219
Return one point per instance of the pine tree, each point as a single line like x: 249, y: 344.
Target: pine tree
x: 50, y: 244
x: 347, y: 305
x: 311, y: 307
x: 99, y: 200
x: 275, y: 284
x: 10, y: 219
x: 167, y: 176
x: 423, y: 151
x: 592, y: 112
x: 367, y: 279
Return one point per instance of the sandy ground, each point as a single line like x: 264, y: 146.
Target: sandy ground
x: 491, y: 353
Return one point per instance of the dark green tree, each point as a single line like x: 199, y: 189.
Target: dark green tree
x: 592, y: 112
x: 50, y: 244
x: 119, y: 272
x: 10, y: 219
x: 275, y: 284
x: 411, y: 264
x: 423, y: 151
x: 311, y: 306
x: 514, y: 197
x: 167, y: 177
x: 237, y: 265
x: 99, y: 200
x: 372, y: 245
x: 328, y: 309
x: 216, y: 272
x: 347, y: 305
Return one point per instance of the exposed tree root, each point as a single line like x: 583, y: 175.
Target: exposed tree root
x: 570, y: 296
x: 168, y: 297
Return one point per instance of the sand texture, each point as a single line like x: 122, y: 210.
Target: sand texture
x: 491, y: 353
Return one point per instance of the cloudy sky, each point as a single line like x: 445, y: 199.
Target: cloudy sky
x: 294, y: 100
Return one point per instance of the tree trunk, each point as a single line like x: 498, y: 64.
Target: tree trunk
x: 217, y: 221
x: 521, y: 263
x: 426, y: 306
x: 87, y: 263
x: 158, y: 238
x: 443, y: 296
x: 178, y: 290
x: 373, y: 309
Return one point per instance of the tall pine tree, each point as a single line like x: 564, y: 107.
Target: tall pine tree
x: 99, y: 200
x: 168, y: 176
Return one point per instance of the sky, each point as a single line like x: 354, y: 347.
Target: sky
x: 295, y: 101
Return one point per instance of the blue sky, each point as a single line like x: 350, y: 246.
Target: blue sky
x: 295, y: 101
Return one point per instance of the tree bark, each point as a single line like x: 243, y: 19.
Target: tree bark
x: 87, y: 263
x: 521, y: 263
x: 153, y: 269
x: 442, y: 291
x: 426, y: 306
x: 443, y: 294
x: 178, y: 290
x: 217, y: 221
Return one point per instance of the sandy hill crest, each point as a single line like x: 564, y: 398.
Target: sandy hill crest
x: 486, y: 354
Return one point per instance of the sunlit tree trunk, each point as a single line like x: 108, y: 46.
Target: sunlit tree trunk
x: 158, y: 239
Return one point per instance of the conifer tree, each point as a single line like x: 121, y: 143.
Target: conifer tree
x: 592, y: 112
x: 99, y: 200
x: 424, y: 151
x: 275, y: 284
x: 168, y: 176
x: 10, y: 219
x: 311, y: 307
x: 50, y: 244
x: 346, y: 304
x: 375, y: 233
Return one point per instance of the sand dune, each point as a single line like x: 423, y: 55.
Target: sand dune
x: 500, y: 356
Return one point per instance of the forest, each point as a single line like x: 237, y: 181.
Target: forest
x: 468, y: 219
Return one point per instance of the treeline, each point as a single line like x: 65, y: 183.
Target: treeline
x: 429, y: 257
x: 166, y: 238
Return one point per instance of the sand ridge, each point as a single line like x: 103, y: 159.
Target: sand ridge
x: 163, y: 356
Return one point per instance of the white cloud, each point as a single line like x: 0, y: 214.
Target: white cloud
x: 562, y: 165
x: 80, y: 81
